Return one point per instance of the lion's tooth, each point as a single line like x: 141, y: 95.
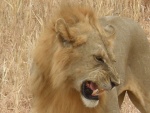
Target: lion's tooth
x: 95, y: 92
x: 102, y: 90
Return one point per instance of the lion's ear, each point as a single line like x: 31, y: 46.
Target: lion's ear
x: 110, y: 31
x: 62, y: 30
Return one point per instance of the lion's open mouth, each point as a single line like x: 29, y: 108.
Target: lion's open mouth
x: 90, y: 90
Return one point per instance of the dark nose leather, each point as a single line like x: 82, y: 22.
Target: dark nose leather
x: 113, y: 84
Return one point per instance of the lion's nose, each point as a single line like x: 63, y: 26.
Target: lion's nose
x: 113, y: 84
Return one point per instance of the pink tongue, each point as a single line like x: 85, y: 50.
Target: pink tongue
x: 92, y: 86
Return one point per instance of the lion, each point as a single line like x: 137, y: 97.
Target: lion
x: 85, y: 64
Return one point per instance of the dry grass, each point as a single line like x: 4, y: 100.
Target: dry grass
x: 20, y: 24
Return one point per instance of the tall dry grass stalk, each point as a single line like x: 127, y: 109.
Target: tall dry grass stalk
x: 21, y: 22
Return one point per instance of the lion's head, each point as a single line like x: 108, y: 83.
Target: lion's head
x: 76, y: 53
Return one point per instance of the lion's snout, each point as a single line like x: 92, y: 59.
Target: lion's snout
x: 104, y: 79
x: 115, y: 81
x: 114, y: 78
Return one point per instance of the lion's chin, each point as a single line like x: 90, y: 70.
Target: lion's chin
x: 89, y: 103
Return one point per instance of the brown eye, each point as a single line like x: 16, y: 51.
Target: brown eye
x: 98, y: 59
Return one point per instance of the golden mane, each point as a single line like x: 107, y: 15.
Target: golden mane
x: 51, y: 59
x: 48, y: 44
x: 73, y: 15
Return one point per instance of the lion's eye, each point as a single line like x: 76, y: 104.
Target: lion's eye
x: 98, y: 59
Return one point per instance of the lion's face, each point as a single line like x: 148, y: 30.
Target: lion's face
x: 93, y: 72
x: 90, y: 67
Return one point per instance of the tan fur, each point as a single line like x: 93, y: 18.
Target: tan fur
x: 132, y: 52
x: 65, y: 57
